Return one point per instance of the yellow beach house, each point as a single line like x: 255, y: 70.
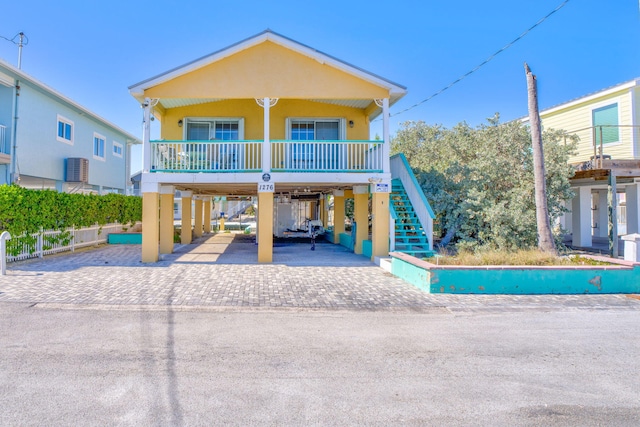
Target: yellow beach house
x: 277, y: 120
x: 607, y: 162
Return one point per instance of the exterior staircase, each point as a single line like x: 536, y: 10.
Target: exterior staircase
x: 410, y: 236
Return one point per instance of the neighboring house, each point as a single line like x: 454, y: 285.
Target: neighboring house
x: 607, y: 124
x: 56, y: 143
x: 274, y: 119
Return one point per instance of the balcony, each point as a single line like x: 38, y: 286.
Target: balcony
x: 5, y: 146
x: 206, y: 156
x: 286, y: 156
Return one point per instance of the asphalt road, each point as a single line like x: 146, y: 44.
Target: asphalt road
x: 303, y: 367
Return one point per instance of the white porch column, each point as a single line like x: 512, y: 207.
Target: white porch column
x: 266, y: 104
x: 602, y: 214
x: 633, y: 208
x: 386, y: 148
x: 146, y: 136
x: 581, y: 217
x: 266, y: 145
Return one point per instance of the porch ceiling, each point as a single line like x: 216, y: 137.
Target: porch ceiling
x: 250, y: 189
x: 352, y: 103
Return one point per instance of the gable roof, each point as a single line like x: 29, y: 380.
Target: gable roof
x: 17, y: 74
x: 395, y: 90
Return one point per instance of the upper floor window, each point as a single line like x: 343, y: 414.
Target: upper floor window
x: 205, y: 129
x: 65, y: 130
x: 98, y: 146
x: 310, y: 156
x: 117, y: 149
x: 314, y: 129
x: 605, y: 124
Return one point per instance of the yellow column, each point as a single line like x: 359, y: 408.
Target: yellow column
x: 321, y: 208
x: 207, y: 215
x: 221, y: 224
x: 380, y: 225
x: 361, y: 215
x: 185, y: 235
x: 338, y: 215
x: 197, y: 228
x: 265, y: 227
x: 150, y: 225
x: 166, y: 219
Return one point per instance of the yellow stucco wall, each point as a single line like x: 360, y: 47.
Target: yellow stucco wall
x: 253, y: 116
x: 580, y: 117
x: 268, y: 70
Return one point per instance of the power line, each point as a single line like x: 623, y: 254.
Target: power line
x: 16, y: 39
x: 505, y: 47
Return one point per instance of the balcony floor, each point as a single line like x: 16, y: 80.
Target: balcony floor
x: 245, y: 184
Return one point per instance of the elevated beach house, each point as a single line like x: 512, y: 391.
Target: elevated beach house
x: 607, y: 162
x: 279, y: 121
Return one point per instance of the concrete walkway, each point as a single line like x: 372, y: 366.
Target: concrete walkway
x: 220, y: 272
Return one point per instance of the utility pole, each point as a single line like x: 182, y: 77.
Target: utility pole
x: 546, y: 241
x: 20, y: 45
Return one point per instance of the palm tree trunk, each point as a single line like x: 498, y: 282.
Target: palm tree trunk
x: 546, y: 241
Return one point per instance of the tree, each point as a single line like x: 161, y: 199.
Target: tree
x: 480, y: 181
x: 545, y: 236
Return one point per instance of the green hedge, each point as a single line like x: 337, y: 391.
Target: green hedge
x: 24, y: 211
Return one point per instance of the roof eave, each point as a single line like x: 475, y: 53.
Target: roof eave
x: 21, y: 75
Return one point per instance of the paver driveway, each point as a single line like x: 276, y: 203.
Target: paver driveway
x: 221, y: 272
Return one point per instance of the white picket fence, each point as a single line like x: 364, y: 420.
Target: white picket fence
x: 81, y: 237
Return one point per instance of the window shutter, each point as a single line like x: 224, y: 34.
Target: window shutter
x: 602, y: 117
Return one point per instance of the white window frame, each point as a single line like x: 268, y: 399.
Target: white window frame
x: 342, y: 125
x: 96, y: 135
x: 607, y: 103
x: 306, y: 154
x: 66, y: 121
x: 231, y: 154
x: 213, y: 120
x: 120, y: 146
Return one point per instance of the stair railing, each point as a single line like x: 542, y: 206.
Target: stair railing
x: 401, y: 170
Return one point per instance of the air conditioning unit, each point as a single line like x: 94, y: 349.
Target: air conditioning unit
x: 77, y: 170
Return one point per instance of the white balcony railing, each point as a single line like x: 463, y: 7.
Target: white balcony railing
x: 327, y: 156
x: 205, y: 156
x: 286, y: 156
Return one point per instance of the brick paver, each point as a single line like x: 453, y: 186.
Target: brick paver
x: 221, y: 272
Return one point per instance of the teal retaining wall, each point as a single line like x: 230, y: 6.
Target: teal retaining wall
x: 367, y: 248
x: 125, y: 239
x: 623, y: 277
x: 345, y: 240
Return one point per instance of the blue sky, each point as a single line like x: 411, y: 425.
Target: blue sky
x: 92, y: 51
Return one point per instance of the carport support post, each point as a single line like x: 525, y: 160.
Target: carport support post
x: 185, y: 231
x: 150, y: 222
x: 613, y: 215
x: 265, y: 227
x: 207, y: 214
x: 633, y: 208
x: 338, y: 215
x: 380, y: 225
x: 581, y: 222
x: 166, y: 219
x: 197, y: 229
x: 361, y: 215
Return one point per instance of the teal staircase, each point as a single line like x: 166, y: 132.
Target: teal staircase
x: 410, y: 236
